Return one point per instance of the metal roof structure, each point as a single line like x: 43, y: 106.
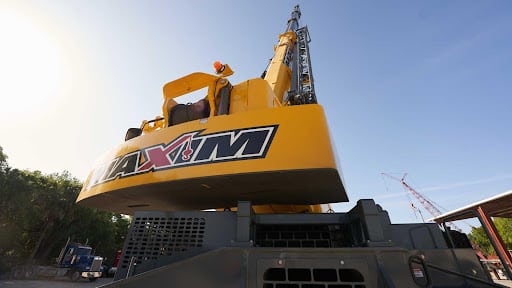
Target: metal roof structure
x: 496, y: 206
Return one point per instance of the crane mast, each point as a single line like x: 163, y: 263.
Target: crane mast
x: 303, y: 75
x: 289, y: 74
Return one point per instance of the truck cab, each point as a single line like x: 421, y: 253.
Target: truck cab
x: 80, y: 262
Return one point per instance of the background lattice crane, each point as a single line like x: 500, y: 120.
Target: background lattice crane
x: 426, y: 203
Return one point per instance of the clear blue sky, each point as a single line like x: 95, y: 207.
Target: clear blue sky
x: 408, y: 86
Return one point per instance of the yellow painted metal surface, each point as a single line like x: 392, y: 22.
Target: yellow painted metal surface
x: 260, y: 96
x: 278, y: 74
x: 279, y: 157
x: 287, y: 208
x: 301, y: 142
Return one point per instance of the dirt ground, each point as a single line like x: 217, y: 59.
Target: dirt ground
x: 60, y: 283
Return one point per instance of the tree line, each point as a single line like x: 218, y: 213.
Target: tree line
x: 38, y: 214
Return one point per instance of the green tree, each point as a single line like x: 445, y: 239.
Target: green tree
x: 38, y: 213
x: 479, y: 237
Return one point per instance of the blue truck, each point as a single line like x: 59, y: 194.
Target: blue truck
x: 75, y: 261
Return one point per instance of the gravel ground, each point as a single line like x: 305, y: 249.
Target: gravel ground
x: 61, y: 283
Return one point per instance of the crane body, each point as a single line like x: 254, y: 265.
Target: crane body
x: 260, y: 153
x: 237, y: 134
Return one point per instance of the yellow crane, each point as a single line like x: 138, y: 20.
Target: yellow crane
x: 262, y: 146
x: 262, y: 140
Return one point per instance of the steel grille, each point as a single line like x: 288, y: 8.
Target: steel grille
x: 96, y: 264
x: 152, y: 237
x: 306, y: 236
x: 312, y: 278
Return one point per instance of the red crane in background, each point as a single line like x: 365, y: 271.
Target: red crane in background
x: 427, y: 204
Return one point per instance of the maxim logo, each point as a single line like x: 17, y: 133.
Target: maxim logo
x: 191, y: 148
